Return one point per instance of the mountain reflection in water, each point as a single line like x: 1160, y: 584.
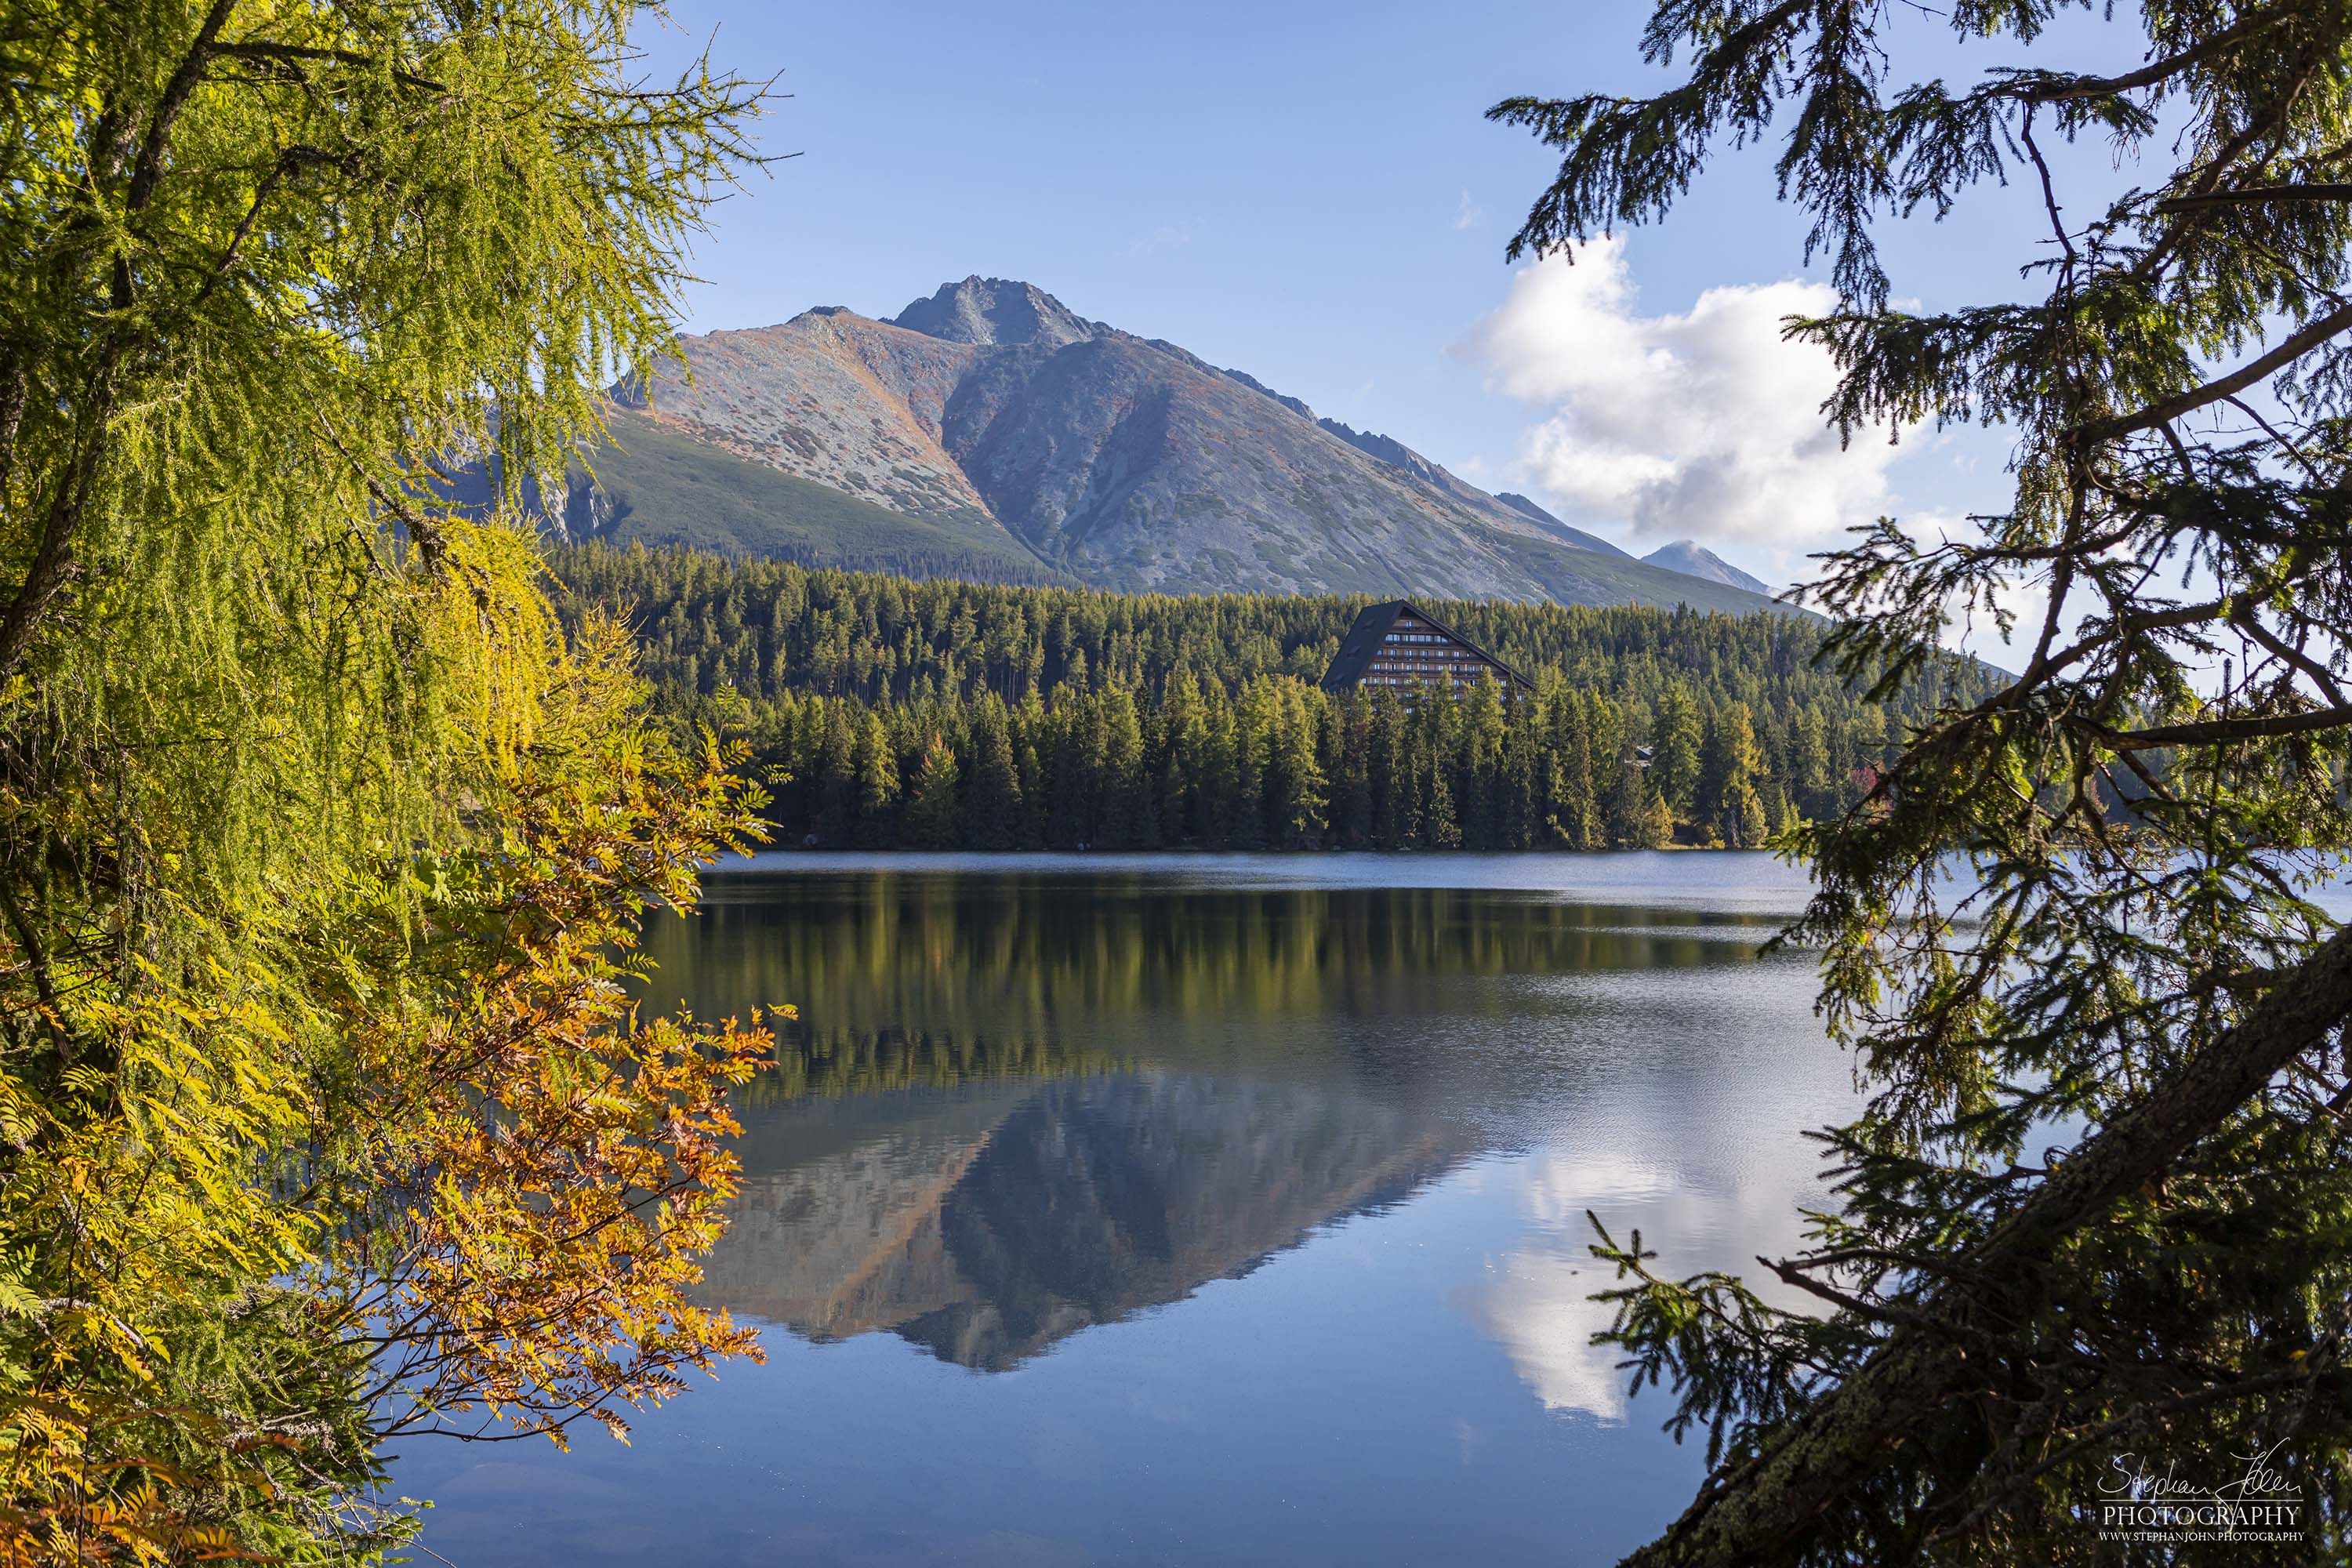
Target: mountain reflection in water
x: 987, y: 1191
x: 1201, y: 1210
x: 987, y: 1225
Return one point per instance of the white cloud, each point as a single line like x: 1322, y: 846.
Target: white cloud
x: 1539, y: 1304
x: 1468, y: 214
x: 1704, y: 425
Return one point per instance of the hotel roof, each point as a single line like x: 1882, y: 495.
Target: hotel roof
x: 1364, y: 640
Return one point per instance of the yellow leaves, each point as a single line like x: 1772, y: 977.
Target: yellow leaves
x: 574, y: 1154
x: 253, y: 1030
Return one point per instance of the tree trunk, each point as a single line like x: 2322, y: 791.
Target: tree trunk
x: 1767, y: 1512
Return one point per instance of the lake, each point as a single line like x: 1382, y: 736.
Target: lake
x: 1199, y: 1209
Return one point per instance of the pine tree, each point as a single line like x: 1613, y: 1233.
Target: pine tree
x: 1256, y: 721
x: 1653, y: 820
x: 1033, y: 754
x: 873, y: 765
x: 1572, y: 814
x: 1629, y: 811
x: 1439, y: 829
x: 1675, y: 734
x: 1519, y: 814
x: 1185, y: 763
x: 1127, y: 817
x: 1812, y: 782
x: 1483, y: 728
x: 1344, y: 742
x: 934, y: 816
x: 1748, y: 823
x: 1388, y: 773
x: 836, y: 780
x: 1296, y: 784
x: 995, y: 820
x: 1729, y: 767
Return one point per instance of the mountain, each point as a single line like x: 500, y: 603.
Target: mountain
x: 1686, y: 555
x: 990, y: 431
x: 991, y: 311
x: 989, y: 1225
x: 1576, y: 536
x: 658, y: 486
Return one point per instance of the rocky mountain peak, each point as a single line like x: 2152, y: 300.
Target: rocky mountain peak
x: 991, y: 428
x: 1693, y: 559
x: 997, y: 311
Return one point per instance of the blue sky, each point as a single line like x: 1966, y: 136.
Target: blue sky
x: 1308, y: 192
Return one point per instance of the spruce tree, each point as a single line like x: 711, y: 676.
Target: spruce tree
x: 1439, y: 827
x: 1575, y: 817
x: 836, y: 774
x: 994, y: 809
x: 1344, y: 744
x: 1297, y: 787
x: 1033, y: 756
x: 873, y: 770
x: 1676, y: 730
x: 1387, y: 773
x: 934, y: 814
x: 2099, y: 1208
x: 1518, y: 785
x: 1184, y: 747
x: 1729, y: 765
x: 1127, y: 817
x: 1256, y: 724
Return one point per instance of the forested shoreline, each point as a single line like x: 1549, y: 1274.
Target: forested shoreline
x: 890, y: 712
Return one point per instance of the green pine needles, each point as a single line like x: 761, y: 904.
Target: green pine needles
x: 1049, y: 718
x: 2098, y: 1220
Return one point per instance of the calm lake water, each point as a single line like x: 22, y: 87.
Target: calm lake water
x: 1218, y: 1209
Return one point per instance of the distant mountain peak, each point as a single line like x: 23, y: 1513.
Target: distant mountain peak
x: 997, y: 311
x: 1695, y: 559
x: 989, y: 428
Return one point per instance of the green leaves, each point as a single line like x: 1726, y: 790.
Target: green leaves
x: 269, y: 696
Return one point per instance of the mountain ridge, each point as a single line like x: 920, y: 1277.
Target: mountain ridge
x: 1018, y: 435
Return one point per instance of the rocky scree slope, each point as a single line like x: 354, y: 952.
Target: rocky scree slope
x: 1006, y: 436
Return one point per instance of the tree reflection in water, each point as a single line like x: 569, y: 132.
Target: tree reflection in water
x: 1014, y: 1107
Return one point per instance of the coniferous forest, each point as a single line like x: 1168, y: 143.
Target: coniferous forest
x: 894, y: 714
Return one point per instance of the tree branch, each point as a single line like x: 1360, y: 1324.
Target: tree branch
x: 2214, y: 732
x: 1771, y: 1510
x: 2257, y: 195
x: 148, y: 169
x: 2060, y: 90
x: 2172, y: 408
x: 291, y: 54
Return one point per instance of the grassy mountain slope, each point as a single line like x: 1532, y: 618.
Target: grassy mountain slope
x: 1124, y: 462
x: 658, y: 487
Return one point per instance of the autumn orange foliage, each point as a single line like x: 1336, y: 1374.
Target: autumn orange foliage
x: 563, y: 1160
x: 501, y: 1197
